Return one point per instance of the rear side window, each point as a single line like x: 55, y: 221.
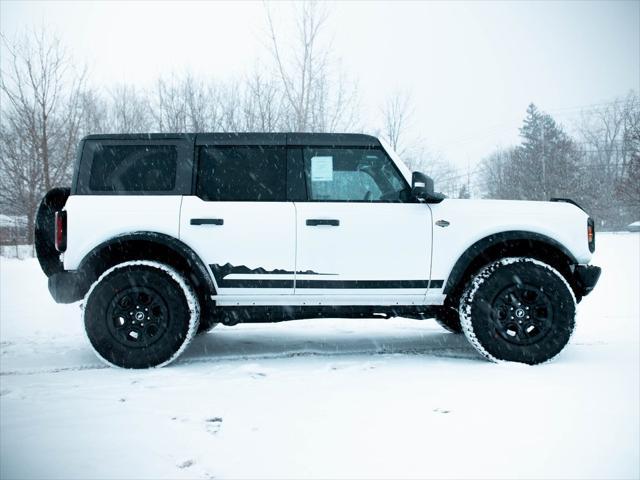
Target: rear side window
x: 251, y: 173
x: 133, y: 168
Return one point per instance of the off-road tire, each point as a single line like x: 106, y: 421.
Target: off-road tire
x: 519, y: 310
x: 448, y: 318
x: 140, y: 314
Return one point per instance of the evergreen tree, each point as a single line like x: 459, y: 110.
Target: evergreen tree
x: 546, y: 162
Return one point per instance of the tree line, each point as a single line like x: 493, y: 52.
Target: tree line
x: 48, y: 105
x: 598, y: 166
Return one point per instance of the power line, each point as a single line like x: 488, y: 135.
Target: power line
x: 472, y: 135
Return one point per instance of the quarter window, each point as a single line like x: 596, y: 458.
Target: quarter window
x: 133, y: 168
x: 352, y: 175
x: 233, y: 173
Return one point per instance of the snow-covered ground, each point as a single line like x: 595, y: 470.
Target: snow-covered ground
x: 20, y: 252
x: 324, y: 398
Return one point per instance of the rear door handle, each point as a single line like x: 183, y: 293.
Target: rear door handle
x: 207, y: 221
x: 314, y: 222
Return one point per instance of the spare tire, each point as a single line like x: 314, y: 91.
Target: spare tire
x: 44, y: 237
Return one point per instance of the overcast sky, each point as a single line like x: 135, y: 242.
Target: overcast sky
x: 472, y: 68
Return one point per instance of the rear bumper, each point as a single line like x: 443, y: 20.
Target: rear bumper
x: 67, y: 287
x: 585, y: 278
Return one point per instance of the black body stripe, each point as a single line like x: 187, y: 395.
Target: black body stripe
x: 362, y: 283
x: 220, y: 272
x: 255, y: 283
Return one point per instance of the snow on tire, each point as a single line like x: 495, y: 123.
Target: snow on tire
x: 518, y: 309
x: 140, y: 314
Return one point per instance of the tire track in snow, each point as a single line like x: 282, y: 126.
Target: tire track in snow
x: 432, y: 353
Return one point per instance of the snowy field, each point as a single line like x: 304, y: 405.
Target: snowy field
x: 325, y: 398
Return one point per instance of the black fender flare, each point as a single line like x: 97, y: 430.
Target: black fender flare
x: 198, y: 271
x: 475, y: 252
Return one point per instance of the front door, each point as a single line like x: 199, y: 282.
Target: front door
x: 360, y: 238
x: 239, y: 222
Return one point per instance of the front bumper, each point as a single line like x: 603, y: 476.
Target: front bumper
x: 67, y: 286
x: 585, y: 278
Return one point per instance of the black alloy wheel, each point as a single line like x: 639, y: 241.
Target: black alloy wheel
x: 519, y: 310
x: 138, y: 317
x: 523, y: 314
x: 140, y: 314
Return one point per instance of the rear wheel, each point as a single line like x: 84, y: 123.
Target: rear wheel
x: 518, y: 310
x: 140, y: 314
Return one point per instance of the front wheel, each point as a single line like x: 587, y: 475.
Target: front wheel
x: 518, y: 310
x: 140, y: 314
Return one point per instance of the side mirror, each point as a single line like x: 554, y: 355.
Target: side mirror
x: 422, y: 188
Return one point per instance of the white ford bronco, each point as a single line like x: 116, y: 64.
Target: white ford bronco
x: 164, y: 236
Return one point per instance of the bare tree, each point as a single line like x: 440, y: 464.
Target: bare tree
x: 317, y: 95
x: 628, y: 187
x: 203, y: 103
x: 42, y: 112
x: 95, y: 113
x: 418, y: 157
x: 21, y: 176
x: 496, y: 174
x: 396, y: 117
x: 262, y: 104
x: 128, y: 110
x: 189, y: 104
x: 397, y: 114
x: 610, y: 141
x: 170, y: 110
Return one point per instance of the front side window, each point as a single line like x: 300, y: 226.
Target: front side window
x: 133, y: 168
x: 352, y: 175
x: 231, y: 173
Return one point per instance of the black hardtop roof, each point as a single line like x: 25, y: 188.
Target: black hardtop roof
x: 237, y: 138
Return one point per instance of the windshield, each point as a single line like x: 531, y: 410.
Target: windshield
x: 397, y: 160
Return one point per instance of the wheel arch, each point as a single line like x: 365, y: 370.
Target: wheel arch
x: 153, y: 246
x: 508, y: 244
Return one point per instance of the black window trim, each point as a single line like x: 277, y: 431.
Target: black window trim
x: 188, y: 163
x: 229, y: 146
x: 296, y: 189
x: 351, y: 147
x: 184, y: 170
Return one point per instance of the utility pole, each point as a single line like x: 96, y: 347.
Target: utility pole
x: 544, y: 168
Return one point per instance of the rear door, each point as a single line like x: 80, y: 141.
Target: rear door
x: 239, y: 221
x: 360, y: 237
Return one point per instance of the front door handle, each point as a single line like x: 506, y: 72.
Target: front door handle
x: 314, y: 222
x: 207, y: 221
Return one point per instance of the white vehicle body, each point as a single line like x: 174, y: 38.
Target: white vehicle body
x: 274, y: 236
x: 379, y: 254
x: 164, y: 236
